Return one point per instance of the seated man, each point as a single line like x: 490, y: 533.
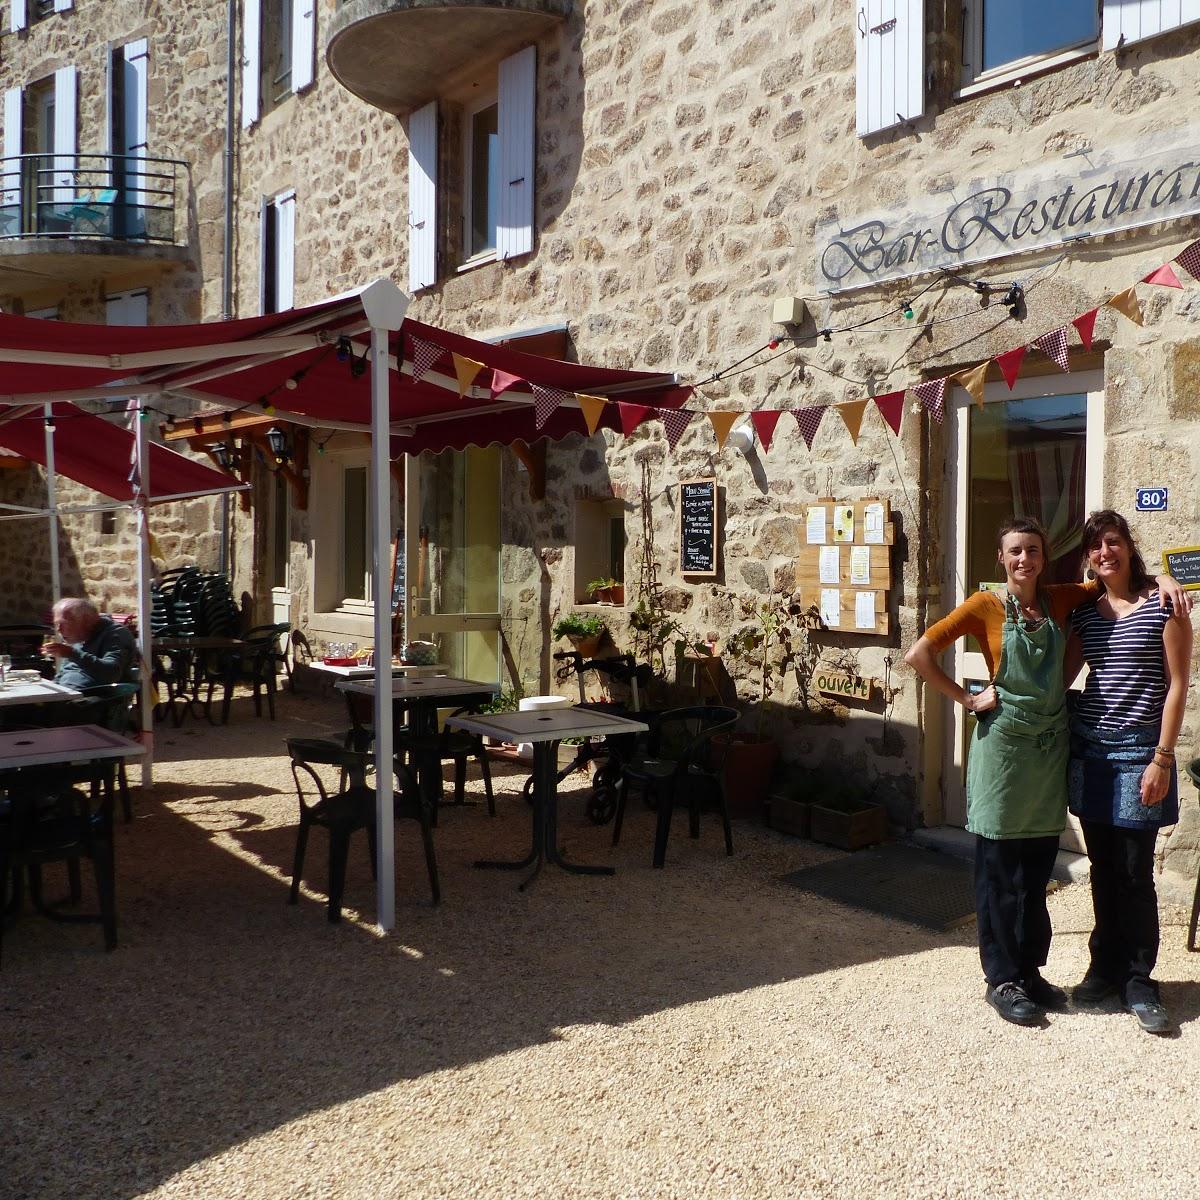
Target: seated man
x: 93, y: 650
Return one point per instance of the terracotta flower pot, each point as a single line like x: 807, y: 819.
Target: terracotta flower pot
x: 587, y: 646
x: 747, y: 768
x: 616, y: 593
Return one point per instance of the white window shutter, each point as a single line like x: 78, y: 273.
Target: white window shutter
x: 890, y: 35
x: 66, y: 83
x: 10, y: 183
x: 422, y: 197
x: 251, y: 59
x: 63, y: 5
x: 1134, y: 20
x: 127, y: 308
x: 17, y: 17
x: 304, y: 43
x: 516, y: 120
x: 136, y: 91
x: 285, y: 251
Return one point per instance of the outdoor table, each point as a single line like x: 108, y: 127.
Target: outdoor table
x: 368, y: 672
x: 64, y: 744
x: 423, y: 696
x: 545, y: 728
x: 41, y: 691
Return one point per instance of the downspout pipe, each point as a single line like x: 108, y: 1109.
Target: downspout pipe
x: 227, y: 244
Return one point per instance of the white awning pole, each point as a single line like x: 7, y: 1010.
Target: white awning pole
x: 381, y: 512
x: 52, y: 505
x: 145, y: 572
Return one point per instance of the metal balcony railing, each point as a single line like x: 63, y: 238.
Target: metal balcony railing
x: 96, y: 197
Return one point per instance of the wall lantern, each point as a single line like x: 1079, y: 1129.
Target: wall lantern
x: 277, y: 440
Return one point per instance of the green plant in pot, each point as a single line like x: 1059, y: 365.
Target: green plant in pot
x: 585, y: 631
x: 602, y: 591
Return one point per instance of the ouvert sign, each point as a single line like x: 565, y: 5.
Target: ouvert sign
x: 990, y: 219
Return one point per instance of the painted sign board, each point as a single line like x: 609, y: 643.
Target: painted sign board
x: 698, y: 527
x: 843, y: 686
x: 1092, y: 192
x: 1183, y: 564
x: 1151, y: 499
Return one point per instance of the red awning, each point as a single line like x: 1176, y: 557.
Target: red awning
x: 98, y: 453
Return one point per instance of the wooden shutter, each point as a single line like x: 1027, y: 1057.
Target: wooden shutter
x: 10, y: 173
x: 135, y: 94
x: 251, y: 60
x: 66, y: 82
x: 1134, y: 20
x: 17, y: 19
x: 285, y: 251
x: 890, y: 35
x: 304, y: 43
x: 422, y: 197
x: 515, y: 120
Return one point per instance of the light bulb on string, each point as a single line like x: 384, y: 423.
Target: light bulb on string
x: 907, y: 311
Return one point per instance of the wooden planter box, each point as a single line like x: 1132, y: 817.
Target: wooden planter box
x: 850, y: 826
x: 790, y: 816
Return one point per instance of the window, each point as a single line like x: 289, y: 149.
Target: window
x: 599, y: 544
x: 356, y: 559
x: 106, y: 521
x: 279, y: 40
x: 486, y: 211
x: 278, y: 252
x: 22, y: 13
x: 1004, y: 36
x: 127, y: 308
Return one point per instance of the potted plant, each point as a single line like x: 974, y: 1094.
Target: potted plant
x: 599, y: 591
x: 585, y: 632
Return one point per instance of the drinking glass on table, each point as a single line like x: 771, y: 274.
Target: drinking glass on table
x: 5, y: 667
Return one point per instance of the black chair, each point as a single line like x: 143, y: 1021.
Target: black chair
x: 683, y: 767
x: 115, y: 711
x: 257, y: 663
x: 1193, y: 770
x: 45, y: 820
x: 345, y: 807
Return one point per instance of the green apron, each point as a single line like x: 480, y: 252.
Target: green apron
x: 1017, y: 767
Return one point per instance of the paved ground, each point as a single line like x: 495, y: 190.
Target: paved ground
x: 702, y: 1031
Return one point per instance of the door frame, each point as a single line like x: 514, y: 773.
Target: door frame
x: 960, y: 662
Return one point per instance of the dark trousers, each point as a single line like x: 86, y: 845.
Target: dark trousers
x: 1124, y: 943
x: 1011, y: 875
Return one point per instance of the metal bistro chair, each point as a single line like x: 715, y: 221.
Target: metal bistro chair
x: 346, y: 807
x: 683, y: 767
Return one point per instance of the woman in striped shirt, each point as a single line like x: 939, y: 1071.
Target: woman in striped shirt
x: 1121, y: 780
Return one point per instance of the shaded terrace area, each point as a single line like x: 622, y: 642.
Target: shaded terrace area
x: 699, y: 1031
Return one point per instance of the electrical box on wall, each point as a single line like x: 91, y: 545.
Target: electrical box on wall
x: 787, y: 310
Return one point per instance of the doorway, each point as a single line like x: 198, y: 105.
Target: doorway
x: 1034, y: 451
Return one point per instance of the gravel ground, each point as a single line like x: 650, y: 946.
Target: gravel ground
x: 703, y: 1031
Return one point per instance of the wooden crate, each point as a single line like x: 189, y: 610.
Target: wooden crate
x: 849, y: 826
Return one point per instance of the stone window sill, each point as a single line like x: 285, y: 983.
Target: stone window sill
x: 1015, y: 74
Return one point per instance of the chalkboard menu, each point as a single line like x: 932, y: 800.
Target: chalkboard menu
x: 698, y: 527
x: 1183, y: 565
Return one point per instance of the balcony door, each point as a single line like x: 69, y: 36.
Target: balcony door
x: 452, y: 544
x: 1035, y: 451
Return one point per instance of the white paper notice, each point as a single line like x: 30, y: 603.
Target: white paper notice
x: 843, y: 523
x: 831, y: 606
x: 816, y: 525
x: 864, y: 610
x: 873, y: 524
x: 860, y: 564
x: 831, y: 564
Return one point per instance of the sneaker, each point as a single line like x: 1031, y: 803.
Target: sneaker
x: 1012, y: 1002
x: 1093, y: 989
x: 1151, y: 1016
x: 1043, y: 993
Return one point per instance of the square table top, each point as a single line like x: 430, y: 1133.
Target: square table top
x: 407, y: 687
x: 67, y: 743
x: 41, y: 691
x: 214, y: 642
x: 368, y: 672
x: 546, y: 725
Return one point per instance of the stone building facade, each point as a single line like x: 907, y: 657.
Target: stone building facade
x: 691, y: 163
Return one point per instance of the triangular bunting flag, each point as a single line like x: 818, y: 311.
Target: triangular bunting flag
x: 1164, y: 276
x: 1085, y: 325
x: 592, y: 408
x: 722, y: 423
x: 1054, y: 346
x: 932, y: 395
x: 809, y: 420
x: 891, y: 407
x: 675, y: 421
x: 764, y: 423
x: 974, y: 381
x: 465, y: 369
x: 424, y: 355
x: 1189, y: 259
x: 502, y: 381
x: 632, y: 415
x: 1010, y: 364
x: 545, y: 401
x: 1126, y: 303
x: 852, y: 413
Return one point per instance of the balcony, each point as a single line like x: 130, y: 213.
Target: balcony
x: 72, y: 217
x: 399, y: 54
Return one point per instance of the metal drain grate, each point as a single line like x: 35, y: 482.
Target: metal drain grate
x: 922, y: 887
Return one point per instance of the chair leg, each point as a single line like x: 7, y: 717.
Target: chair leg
x: 619, y: 818
x: 339, y: 851
x: 1191, y: 942
x: 460, y: 779
x: 298, y: 861
x: 485, y: 769
x: 666, y: 805
x: 724, y: 809
x: 271, y: 694
x: 430, y: 859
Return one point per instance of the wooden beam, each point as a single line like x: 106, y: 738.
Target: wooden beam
x: 214, y: 428
x: 534, y: 458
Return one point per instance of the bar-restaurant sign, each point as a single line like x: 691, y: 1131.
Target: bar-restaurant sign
x: 1083, y: 194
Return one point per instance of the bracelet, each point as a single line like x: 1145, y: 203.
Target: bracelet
x: 1169, y: 751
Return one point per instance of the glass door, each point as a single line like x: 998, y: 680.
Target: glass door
x: 452, y: 542
x: 1035, y: 451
